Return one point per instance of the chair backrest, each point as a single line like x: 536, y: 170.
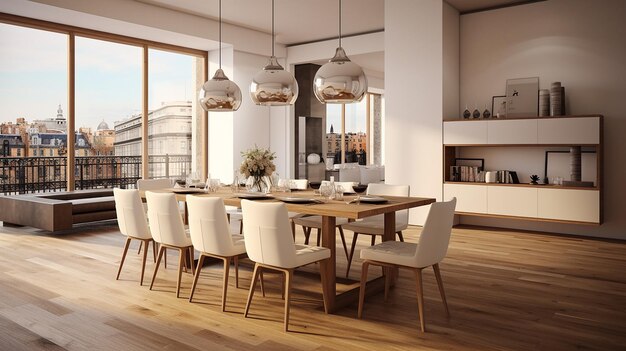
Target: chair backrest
x: 347, y: 186
x: 370, y: 174
x: 153, y: 184
x: 435, y: 236
x: 130, y: 215
x: 166, y: 224
x: 208, y: 225
x: 267, y: 233
x: 300, y: 184
x: 402, y: 217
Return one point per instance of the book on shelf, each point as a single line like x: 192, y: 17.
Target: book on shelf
x: 473, y: 174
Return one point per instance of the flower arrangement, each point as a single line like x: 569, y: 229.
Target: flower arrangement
x: 257, y: 163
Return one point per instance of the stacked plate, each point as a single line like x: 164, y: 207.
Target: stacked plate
x: 556, y: 99
x: 544, y: 102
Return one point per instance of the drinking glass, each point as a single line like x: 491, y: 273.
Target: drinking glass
x: 326, y: 190
x: 359, y: 189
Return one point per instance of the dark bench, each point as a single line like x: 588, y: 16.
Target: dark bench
x: 57, y: 211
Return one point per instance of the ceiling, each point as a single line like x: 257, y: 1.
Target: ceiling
x: 303, y: 21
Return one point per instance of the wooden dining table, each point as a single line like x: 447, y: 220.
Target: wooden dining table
x: 329, y: 210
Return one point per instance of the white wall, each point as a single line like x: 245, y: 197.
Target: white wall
x: 577, y: 42
x: 414, y: 95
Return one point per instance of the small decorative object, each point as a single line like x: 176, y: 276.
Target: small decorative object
x: 490, y: 177
x: 476, y: 113
x: 467, y: 114
x: 257, y: 163
x: 544, y: 102
x: 486, y: 113
x: 556, y: 99
x: 498, y: 106
x: 522, y: 97
x: 534, y: 179
x: 313, y: 159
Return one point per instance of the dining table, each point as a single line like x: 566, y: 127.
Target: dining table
x: 329, y: 210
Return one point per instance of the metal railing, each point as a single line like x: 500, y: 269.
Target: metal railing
x: 20, y: 175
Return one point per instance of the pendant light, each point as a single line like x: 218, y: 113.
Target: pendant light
x: 340, y: 81
x: 273, y: 86
x: 219, y: 94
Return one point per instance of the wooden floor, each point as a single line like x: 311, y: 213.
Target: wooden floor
x: 506, y: 290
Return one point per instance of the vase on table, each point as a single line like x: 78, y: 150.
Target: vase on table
x: 258, y: 184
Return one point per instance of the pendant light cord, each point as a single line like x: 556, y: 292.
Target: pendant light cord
x: 339, y: 23
x: 220, y: 12
x: 273, y: 40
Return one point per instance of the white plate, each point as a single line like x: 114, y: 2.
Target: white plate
x: 188, y: 190
x: 373, y: 199
x: 298, y: 200
x: 254, y: 196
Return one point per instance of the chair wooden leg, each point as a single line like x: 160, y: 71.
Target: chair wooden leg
x: 388, y: 273
x: 181, y: 263
x: 156, y: 266
x: 255, y: 276
x: 236, y: 259
x: 196, y: 276
x: 191, y: 258
x: 420, y: 297
x: 354, y: 239
x: 293, y: 230
x: 146, y: 245
x: 139, y: 249
x: 400, y: 236
x: 364, y: 270
x: 154, y: 250
x: 288, y: 278
x: 440, y: 284
x: 165, y: 257
x: 319, y: 236
x: 241, y: 226
x: 343, y: 241
x: 225, y: 282
x: 126, y: 245
x: 307, y: 233
x: 373, y: 240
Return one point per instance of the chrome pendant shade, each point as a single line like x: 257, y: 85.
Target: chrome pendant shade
x: 340, y: 81
x: 273, y: 86
x: 219, y: 94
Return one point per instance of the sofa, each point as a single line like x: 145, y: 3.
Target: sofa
x: 58, y: 210
x: 353, y: 172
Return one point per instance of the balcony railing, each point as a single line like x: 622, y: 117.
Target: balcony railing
x: 20, y: 175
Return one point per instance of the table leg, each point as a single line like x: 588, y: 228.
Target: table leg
x: 329, y: 266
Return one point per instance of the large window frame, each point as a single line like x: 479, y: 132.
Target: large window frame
x: 72, y: 32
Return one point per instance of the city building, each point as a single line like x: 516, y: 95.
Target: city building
x: 57, y: 124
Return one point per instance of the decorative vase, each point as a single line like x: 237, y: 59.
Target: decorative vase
x: 467, y: 114
x: 476, y: 113
x: 258, y: 184
x: 313, y: 159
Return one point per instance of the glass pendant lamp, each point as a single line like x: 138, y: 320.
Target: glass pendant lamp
x: 273, y: 86
x: 340, y: 81
x: 219, y: 94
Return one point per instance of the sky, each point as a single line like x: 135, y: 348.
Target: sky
x: 33, y: 77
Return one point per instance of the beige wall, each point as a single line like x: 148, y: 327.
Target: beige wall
x: 580, y: 43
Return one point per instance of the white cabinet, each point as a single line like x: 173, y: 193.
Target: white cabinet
x: 512, y: 201
x: 518, y: 131
x: 577, y: 131
x: 465, y: 132
x: 569, y: 205
x: 470, y: 198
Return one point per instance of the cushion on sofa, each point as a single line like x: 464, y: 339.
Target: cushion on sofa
x: 96, y: 204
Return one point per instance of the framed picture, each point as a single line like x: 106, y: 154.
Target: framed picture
x: 522, y: 97
x: 498, y: 106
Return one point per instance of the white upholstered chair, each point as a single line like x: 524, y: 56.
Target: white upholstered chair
x: 375, y: 225
x: 211, y: 236
x: 429, y: 251
x: 270, y: 245
x: 132, y: 221
x: 168, y: 230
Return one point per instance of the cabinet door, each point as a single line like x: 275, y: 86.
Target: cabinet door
x: 570, y: 205
x: 579, y: 130
x: 469, y: 198
x: 465, y: 132
x: 512, y: 201
x: 512, y: 132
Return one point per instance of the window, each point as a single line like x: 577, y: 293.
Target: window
x: 355, y: 130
